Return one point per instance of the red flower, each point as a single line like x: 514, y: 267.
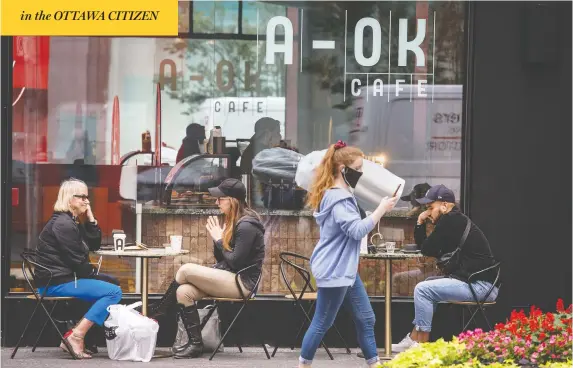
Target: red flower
x: 560, y: 308
x: 499, y: 326
x: 533, y: 325
x: 535, y: 312
x: 542, y: 336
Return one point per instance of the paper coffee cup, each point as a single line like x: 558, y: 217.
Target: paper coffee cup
x: 176, y: 241
x: 118, y: 241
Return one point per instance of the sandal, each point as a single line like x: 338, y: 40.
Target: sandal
x: 76, y: 354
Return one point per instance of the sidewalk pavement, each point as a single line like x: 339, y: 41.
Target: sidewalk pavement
x: 250, y: 358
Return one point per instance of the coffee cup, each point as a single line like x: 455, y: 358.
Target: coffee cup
x: 176, y: 241
x: 390, y: 247
x: 119, y: 242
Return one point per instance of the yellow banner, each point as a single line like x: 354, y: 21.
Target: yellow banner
x: 89, y: 18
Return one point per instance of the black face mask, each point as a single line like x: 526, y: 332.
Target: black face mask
x: 351, y: 176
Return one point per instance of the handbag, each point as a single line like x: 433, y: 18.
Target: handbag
x: 450, y: 262
x: 211, y: 332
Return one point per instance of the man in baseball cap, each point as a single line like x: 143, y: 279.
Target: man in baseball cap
x: 452, y: 229
x: 438, y: 193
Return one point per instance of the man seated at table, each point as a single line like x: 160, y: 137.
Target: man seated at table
x: 450, y: 225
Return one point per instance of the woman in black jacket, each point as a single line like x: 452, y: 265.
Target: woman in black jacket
x: 63, y: 247
x: 238, y: 244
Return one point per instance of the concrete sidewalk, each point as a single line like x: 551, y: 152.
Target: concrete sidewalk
x: 250, y: 358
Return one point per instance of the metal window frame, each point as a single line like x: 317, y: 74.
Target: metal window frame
x: 6, y: 58
x: 6, y: 97
x: 224, y: 36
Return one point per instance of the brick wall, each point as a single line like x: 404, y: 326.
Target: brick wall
x: 297, y: 234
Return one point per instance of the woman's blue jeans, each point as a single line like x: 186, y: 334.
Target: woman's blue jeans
x: 328, y: 303
x: 102, y: 294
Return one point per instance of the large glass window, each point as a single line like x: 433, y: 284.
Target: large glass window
x: 384, y: 76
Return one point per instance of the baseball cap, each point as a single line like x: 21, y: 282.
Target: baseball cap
x: 230, y: 188
x: 438, y: 193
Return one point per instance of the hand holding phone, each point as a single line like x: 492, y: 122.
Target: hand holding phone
x: 397, y: 189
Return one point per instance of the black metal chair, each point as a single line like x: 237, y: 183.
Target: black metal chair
x: 244, y: 300
x: 478, y: 306
x: 302, y: 295
x: 29, y: 261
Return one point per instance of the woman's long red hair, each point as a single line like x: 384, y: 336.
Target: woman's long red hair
x: 327, y: 171
x: 238, y: 210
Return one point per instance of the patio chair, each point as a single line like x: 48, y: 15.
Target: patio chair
x: 306, y: 293
x: 28, y: 264
x: 478, y: 306
x: 244, y: 300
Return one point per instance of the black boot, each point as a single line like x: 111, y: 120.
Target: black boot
x: 162, y: 306
x: 192, y: 322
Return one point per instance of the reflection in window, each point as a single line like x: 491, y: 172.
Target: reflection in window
x: 215, y: 16
x: 418, y: 136
x: 224, y: 81
x: 228, y: 84
x: 264, y: 12
x: 184, y: 16
x: 191, y: 182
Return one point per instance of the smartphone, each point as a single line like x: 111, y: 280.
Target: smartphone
x: 397, y: 189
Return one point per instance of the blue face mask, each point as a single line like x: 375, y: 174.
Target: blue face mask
x: 351, y: 176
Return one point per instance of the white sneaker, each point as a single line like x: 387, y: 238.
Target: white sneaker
x: 404, y: 345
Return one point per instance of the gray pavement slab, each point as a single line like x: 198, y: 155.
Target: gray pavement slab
x: 251, y: 357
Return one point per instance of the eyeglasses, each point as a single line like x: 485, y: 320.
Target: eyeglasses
x: 220, y: 198
x: 81, y: 196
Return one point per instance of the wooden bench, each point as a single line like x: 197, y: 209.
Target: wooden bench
x: 306, y: 296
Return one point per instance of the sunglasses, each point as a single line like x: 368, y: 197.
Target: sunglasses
x: 81, y: 196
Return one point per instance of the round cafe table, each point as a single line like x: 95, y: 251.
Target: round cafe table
x: 145, y: 255
x: 388, y: 258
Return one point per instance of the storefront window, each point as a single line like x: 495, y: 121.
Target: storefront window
x: 384, y: 76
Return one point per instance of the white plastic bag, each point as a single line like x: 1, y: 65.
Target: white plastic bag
x: 305, y: 169
x: 129, y: 335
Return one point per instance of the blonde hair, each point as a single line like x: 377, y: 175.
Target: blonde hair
x: 238, y: 209
x: 327, y: 171
x: 68, y: 189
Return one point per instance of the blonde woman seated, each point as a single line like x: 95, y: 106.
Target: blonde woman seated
x: 236, y: 245
x: 64, y: 248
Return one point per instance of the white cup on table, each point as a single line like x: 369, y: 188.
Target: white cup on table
x: 118, y: 242
x: 390, y: 247
x: 176, y: 242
